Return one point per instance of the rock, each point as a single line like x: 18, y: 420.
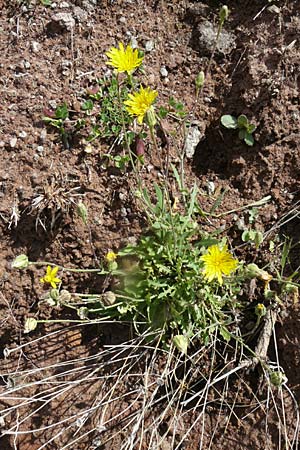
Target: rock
x: 53, y: 104
x: 64, y: 5
x: 163, y: 72
x: 60, y: 23
x: 122, y: 19
x: 35, y: 47
x: 43, y: 135
x: 211, y: 187
x: 207, y: 33
x: 22, y: 134
x: 40, y: 148
x: 149, y: 46
x: 133, y: 42
x: 26, y: 64
x: 79, y: 14
x: 13, y: 142
x: 192, y: 140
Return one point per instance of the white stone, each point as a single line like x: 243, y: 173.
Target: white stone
x: 13, y: 142
x: 192, y: 140
x: 163, y: 72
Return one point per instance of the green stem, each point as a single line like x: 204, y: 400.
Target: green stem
x: 68, y: 269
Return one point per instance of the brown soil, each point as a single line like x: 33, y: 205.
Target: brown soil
x: 42, y: 65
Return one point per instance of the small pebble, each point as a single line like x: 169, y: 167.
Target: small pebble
x: 123, y: 212
x: 35, y: 47
x: 211, y: 187
x: 2, y: 144
x: 64, y: 5
x: 53, y: 104
x: 13, y: 142
x: 40, y: 148
x: 122, y: 19
x: 149, y: 46
x: 22, y: 134
x: 43, y: 135
x: 163, y: 72
x: 133, y: 42
x: 26, y: 64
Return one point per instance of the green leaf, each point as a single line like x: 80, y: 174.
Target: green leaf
x: 242, y: 121
x: 229, y: 122
x: 251, y: 128
x: 225, y: 334
x: 62, y: 112
x: 162, y: 112
x: 242, y: 133
x: 88, y: 105
x: 248, y: 138
x: 218, y: 201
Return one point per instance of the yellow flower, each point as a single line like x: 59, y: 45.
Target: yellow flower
x: 124, y: 60
x: 111, y: 256
x: 50, y: 277
x: 217, y: 262
x: 140, y: 103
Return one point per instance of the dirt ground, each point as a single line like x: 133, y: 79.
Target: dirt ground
x: 43, y: 64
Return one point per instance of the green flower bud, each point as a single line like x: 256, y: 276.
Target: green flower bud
x: 181, y: 342
x: 199, y: 81
x: 253, y: 271
x: 83, y: 313
x: 82, y: 212
x: 277, y: 378
x: 30, y: 324
x: 151, y: 117
x: 54, y: 294
x: 224, y: 12
x: 260, y: 310
x: 20, y: 262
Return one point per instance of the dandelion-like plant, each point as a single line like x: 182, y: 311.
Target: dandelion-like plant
x: 124, y: 59
x: 50, y: 277
x: 140, y: 103
x: 218, y: 262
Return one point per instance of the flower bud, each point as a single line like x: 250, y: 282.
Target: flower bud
x: 260, y: 310
x: 224, y: 12
x: 93, y: 90
x: 181, y: 342
x: 109, y: 298
x: 139, y: 147
x: 253, y: 271
x: 20, y: 262
x: 277, y: 378
x: 83, y: 313
x: 151, y: 117
x: 30, y: 324
x: 199, y: 81
x: 82, y: 212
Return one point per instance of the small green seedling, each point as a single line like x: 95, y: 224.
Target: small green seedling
x: 58, y: 119
x: 246, y: 129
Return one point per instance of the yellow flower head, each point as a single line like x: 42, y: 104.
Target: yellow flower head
x: 50, y: 277
x: 110, y: 256
x: 140, y: 103
x: 124, y: 60
x: 218, y: 262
